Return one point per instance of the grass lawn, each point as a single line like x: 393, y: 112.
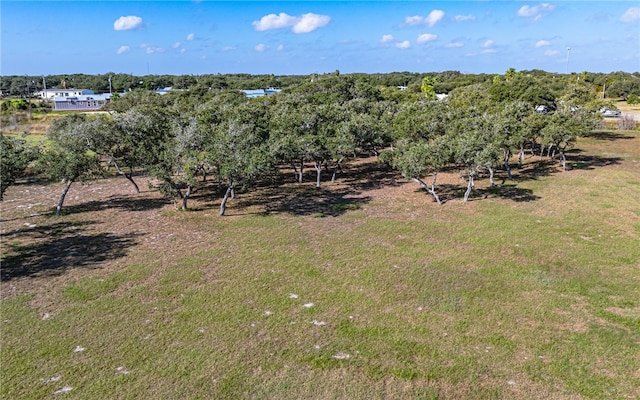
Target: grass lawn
x: 364, y: 289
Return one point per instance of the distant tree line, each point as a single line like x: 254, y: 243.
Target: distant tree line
x: 615, y: 84
x: 486, y: 124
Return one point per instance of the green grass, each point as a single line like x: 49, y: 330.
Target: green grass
x: 491, y: 299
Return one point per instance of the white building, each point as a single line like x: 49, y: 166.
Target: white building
x: 81, y: 102
x: 51, y: 94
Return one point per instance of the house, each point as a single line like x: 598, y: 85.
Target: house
x: 168, y: 89
x: 50, y: 94
x: 253, y: 93
x: 81, y: 102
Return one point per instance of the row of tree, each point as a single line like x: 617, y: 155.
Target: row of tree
x: 615, y: 84
x: 180, y: 139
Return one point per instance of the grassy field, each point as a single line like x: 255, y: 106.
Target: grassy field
x: 365, y: 289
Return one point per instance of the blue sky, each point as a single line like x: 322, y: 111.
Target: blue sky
x: 295, y: 37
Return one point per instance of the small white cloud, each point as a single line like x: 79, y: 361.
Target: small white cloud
x: 260, y: 48
x: 149, y: 49
x: 280, y: 47
x: 542, y: 43
x: 191, y: 36
x: 535, y: 12
x: 430, y: 20
x: 303, y: 24
x: 127, y: 23
x: 415, y: 20
x: 387, y: 39
x: 487, y: 44
x: 434, y: 16
x: 454, y: 44
x: 228, y: 48
x: 426, y: 38
x: 176, y: 45
x: 403, y: 45
x: 488, y: 51
x: 310, y: 22
x: 273, y: 21
x: 551, y: 52
x: 632, y: 15
x: 123, y: 49
x: 463, y: 18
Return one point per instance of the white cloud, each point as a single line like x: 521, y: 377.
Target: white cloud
x: 123, y: 49
x: 415, y: 20
x: 463, y: 18
x: 403, y: 45
x: 303, y: 24
x: 127, y: 23
x: 434, y: 16
x: 488, y: 51
x: 488, y: 43
x: 387, y: 39
x: 228, y: 48
x: 260, y: 48
x: 191, y: 36
x: 430, y: 20
x: 535, y: 12
x: 632, y: 15
x: 454, y: 44
x: 426, y: 38
x: 149, y: 49
x: 542, y: 43
x: 551, y: 52
x: 176, y: 45
x: 310, y: 22
x: 273, y: 21
x: 280, y: 47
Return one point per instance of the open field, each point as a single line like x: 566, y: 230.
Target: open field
x: 363, y: 289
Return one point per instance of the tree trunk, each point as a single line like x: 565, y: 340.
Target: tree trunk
x: 223, y: 205
x: 430, y: 190
x: 129, y: 175
x: 204, y: 174
x: 301, y: 169
x: 318, y: 167
x: 186, y: 197
x: 64, y: 194
x: 507, y: 156
x: 295, y: 171
x: 469, y: 187
x: 493, y: 183
x: 335, y: 170
x: 521, y: 156
x: 563, y: 160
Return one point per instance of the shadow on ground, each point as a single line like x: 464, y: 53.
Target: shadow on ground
x: 607, y: 135
x: 50, y: 250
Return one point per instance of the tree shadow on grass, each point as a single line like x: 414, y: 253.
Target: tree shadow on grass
x: 607, y: 135
x: 50, y: 250
x: 576, y: 160
x: 127, y: 203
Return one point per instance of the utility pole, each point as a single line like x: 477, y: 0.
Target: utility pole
x: 566, y: 68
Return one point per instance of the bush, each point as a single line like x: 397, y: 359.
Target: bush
x: 633, y: 99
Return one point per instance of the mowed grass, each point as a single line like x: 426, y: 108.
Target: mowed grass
x: 395, y: 298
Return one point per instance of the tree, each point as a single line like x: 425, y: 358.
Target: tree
x: 238, y: 146
x: 15, y: 157
x: 69, y: 157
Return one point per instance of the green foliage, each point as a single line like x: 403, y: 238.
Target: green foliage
x: 15, y: 157
x: 633, y: 99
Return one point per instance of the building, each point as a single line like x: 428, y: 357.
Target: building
x: 50, y: 94
x: 81, y: 102
x: 253, y: 93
